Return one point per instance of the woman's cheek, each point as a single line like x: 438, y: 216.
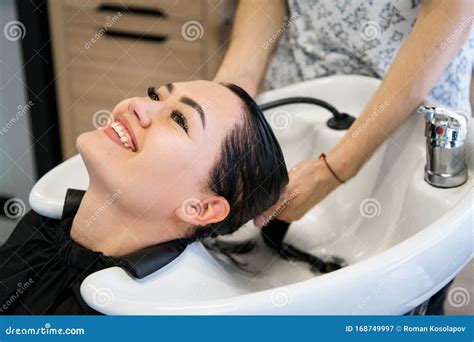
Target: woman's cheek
x: 164, y: 155
x: 171, y: 142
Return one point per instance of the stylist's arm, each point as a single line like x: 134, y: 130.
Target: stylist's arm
x: 255, y: 26
x: 433, y: 43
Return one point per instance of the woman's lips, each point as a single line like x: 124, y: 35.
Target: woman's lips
x: 129, y: 128
x: 112, y: 134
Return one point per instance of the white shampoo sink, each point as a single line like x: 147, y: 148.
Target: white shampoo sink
x: 402, y: 239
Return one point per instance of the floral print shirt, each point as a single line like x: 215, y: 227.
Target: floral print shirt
x: 362, y: 37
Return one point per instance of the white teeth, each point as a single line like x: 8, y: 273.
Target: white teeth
x: 122, y: 133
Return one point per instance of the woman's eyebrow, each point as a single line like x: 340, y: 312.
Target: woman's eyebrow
x: 196, y: 107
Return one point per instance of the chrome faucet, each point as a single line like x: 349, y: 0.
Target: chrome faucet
x: 445, y: 133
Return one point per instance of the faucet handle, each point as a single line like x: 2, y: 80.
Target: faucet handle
x: 445, y: 124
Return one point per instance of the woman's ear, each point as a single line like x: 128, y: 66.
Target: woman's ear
x: 211, y: 209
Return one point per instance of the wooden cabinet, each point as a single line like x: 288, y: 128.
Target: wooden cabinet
x: 106, y: 51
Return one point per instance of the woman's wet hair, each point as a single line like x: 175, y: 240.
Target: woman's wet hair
x: 250, y: 172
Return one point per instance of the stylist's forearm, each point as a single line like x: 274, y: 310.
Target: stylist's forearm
x: 255, y: 27
x: 438, y: 35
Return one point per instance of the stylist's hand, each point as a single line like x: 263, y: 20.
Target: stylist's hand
x: 310, y: 182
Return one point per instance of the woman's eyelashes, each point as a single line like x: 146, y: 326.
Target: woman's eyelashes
x: 175, y: 115
x: 180, y: 119
x: 152, y: 93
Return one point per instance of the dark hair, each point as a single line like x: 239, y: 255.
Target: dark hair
x: 250, y: 172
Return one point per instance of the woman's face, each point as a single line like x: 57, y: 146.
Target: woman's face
x: 157, y: 154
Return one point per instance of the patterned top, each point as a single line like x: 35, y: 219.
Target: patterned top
x: 327, y: 37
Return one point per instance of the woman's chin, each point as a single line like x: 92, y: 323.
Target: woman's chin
x: 97, y: 151
x: 97, y: 143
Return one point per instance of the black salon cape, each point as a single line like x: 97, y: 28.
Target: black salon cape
x: 42, y: 268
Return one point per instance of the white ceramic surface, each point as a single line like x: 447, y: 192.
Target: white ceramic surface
x: 403, y: 239
x: 47, y: 195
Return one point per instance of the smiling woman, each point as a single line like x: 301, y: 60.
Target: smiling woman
x: 178, y: 169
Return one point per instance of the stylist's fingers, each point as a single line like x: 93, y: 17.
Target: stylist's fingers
x: 282, y: 208
x: 310, y: 182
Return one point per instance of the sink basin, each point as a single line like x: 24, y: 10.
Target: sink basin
x: 402, y: 239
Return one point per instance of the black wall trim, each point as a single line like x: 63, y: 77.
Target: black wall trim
x: 39, y: 76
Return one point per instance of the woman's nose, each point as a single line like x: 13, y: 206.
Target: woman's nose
x: 144, y: 109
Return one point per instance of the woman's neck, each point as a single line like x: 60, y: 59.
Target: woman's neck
x: 103, y: 226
